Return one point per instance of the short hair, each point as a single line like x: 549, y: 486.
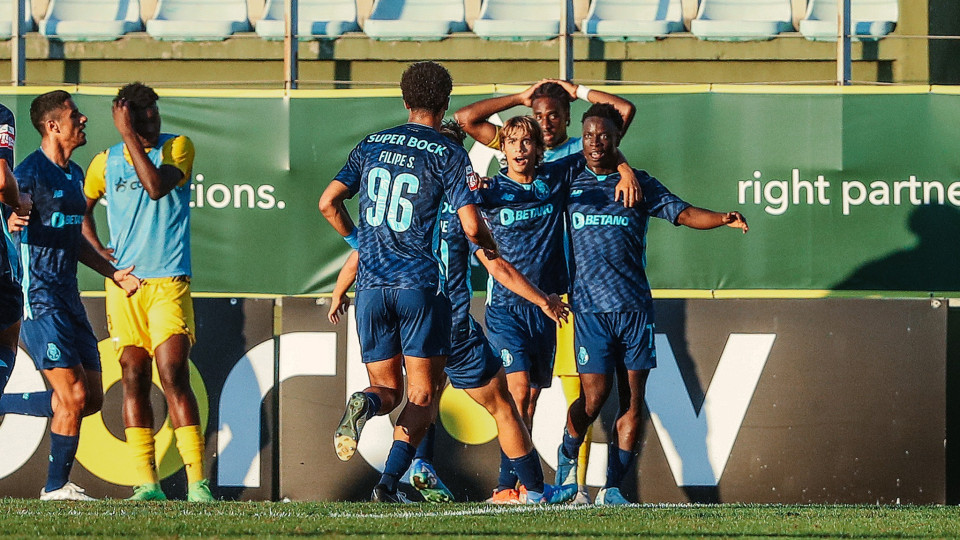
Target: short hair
x: 43, y: 105
x: 527, y: 125
x: 426, y: 86
x: 452, y: 130
x: 138, y: 95
x: 553, y: 90
x: 605, y: 110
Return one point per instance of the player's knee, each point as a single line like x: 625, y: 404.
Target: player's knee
x: 420, y: 396
x: 74, y: 400
x: 592, y: 404
x: 174, y: 377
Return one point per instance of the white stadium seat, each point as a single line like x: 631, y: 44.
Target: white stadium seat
x: 90, y: 20
x: 420, y: 20
x: 633, y: 20
x: 317, y: 19
x: 6, y: 20
x: 198, y: 20
x: 518, y: 19
x: 869, y: 19
x: 742, y: 20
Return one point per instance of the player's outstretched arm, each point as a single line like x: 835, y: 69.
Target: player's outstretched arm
x: 512, y: 279
x: 474, y: 118
x: 699, y: 218
x: 123, y: 278
x: 340, y: 301
x: 579, y: 91
x: 156, y: 181
x: 476, y: 230
x: 332, y: 208
x: 89, y: 229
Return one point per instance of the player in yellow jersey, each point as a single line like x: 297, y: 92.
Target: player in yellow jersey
x: 146, y: 181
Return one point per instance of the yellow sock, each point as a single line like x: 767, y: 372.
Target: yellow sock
x: 140, y: 440
x: 190, y: 444
x: 584, y: 458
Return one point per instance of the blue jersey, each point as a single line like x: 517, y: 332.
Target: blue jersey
x: 573, y: 145
x: 50, y: 244
x: 608, y: 241
x: 528, y: 223
x: 9, y: 263
x: 455, y: 251
x: 402, y: 175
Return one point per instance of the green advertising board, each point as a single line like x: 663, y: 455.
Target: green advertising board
x: 853, y: 189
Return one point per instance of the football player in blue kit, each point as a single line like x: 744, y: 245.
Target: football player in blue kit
x: 472, y: 365
x: 55, y: 329
x: 11, y: 297
x: 614, y: 331
x: 402, y: 175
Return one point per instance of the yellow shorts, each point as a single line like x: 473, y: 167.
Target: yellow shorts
x: 565, y: 364
x: 161, y: 309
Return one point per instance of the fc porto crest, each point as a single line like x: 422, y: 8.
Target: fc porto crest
x: 506, y: 357
x: 582, y: 356
x: 540, y: 189
x: 53, y: 352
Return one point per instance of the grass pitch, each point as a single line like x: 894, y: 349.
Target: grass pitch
x: 30, y: 518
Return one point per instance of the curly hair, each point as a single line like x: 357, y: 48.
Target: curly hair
x: 43, y: 105
x: 452, y: 130
x: 553, y: 90
x: 528, y: 126
x: 426, y: 86
x: 138, y: 95
x: 605, y: 110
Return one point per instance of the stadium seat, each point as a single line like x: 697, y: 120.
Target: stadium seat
x: 317, y: 19
x: 869, y: 19
x: 6, y: 20
x: 518, y: 19
x: 421, y: 20
x: 90, y: 20
x: 198, y: 20
x: 633, y: 20
x: 742, y: 20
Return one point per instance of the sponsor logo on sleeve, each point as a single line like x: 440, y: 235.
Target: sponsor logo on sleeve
x: 473, y: 179
x: 7, y: 136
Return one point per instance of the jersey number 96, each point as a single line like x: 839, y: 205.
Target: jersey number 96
x: 386, y: 193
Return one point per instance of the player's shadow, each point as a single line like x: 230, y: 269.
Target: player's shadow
x: 931, y: 264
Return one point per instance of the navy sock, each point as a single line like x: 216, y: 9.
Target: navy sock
x: 571, y: 445
x: 63, y: 448
x: 398, y: 461
x: 618, y: 462
x: 373, y: 404
x: 29, y: 404
x: 7, y: 358
x: 529, y: 471
x: 508, y: 477
x: 425, y: 450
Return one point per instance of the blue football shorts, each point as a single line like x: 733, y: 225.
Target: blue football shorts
x: 472, y: 363
x: 415, y: 322
x: 525, y: 339
x: 60, y: 339
x: 604, y: 340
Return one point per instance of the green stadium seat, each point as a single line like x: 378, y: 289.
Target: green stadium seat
x: 317, y: 19
x: 198, y: 20
x: 633, y: 20
x: 869, y: 19
x: 518, y: 19
x: 420, y: 20
x: 742, y: 20
x: 90, y: 20
x: 6, y: 20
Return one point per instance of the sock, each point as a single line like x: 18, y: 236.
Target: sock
x: 29, y: 404
x: 7, y: 358
x: 373, y: 404
x: 63, y: 448
x: 425, y: 450
x: 618, y: 461
x: 190, y: 444
x: 508, y: 478
x: 140, y: 441
x: 571, y: 445
x: 529, y: 471
x: 584, y: 458
x: 398, y: 461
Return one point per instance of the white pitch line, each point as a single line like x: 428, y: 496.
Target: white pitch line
x: 493, y: 510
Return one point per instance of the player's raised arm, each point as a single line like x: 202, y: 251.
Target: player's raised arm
x: 474, y: 118
x: 138, y: 134
x: 700, y: 218
x: 333, y: 209
x: 580, y: 91
x: 340, y: 301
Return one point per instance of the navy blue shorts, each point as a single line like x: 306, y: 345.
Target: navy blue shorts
x: 11, y: 302
x: 414, y: 322
x: 604, y: 340
x: 59, y: 340
x: 525, y: 339
x: 472, y: 363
